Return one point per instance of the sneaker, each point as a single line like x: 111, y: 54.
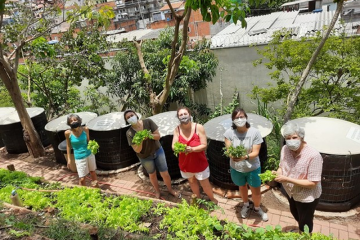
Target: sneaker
x: 245, y: 211
x: 262, y: 214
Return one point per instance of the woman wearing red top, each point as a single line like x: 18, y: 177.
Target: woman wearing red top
x: 193, y: 163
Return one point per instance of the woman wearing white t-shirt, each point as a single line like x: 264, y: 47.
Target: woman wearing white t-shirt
x: 245, y: 170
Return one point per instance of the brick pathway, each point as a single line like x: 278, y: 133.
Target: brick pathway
x: 133, y: 185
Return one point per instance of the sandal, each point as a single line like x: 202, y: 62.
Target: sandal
x: 177, y: 195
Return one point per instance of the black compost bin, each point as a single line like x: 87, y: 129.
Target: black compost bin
x: 109, y: 131
x: 12, y: 130
x: 4, y: 112
x: 63, y: 149
x: 220, y: 164
x: 56, y: 128
x: 167, y: 122
x: 338, y: 141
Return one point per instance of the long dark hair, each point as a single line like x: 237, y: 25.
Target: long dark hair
x: 71, y: 116
x: 233, y: 115
x: 127, y: 111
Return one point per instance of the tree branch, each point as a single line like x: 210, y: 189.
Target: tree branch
x: 294, y: 95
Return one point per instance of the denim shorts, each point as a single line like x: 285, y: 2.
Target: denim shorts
x: 252, y: 178
x: 155, y: 161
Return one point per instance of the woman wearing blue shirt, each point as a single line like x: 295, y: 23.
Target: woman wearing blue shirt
x: 78, y: 137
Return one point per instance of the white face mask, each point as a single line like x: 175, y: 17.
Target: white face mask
x: 293, y: 144
x: 240, y: 122
x: 132, y: 120
x: 185, y: 119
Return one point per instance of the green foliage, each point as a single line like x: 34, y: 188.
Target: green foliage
x: 5, y: 100
x: 16, y: 178
x: 127, y: 79
x: 93, y: 146
x: 55, y: 71
x: 61, y: 229
x: 189, y: 222
x: 97, y: 101
x: 219, y: 110
x: 267, y: 176
x: 274, y: 139
x: 142, y: 135
x: 235, y: 152
x: 84, y: 205
x: 126, y: 213
x: 333, y: 82
x: 179, y: 148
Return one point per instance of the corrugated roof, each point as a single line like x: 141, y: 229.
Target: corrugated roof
x: 137, y: 34
x: 261, y: 28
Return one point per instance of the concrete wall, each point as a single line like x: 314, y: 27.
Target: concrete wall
x: 235, y: 72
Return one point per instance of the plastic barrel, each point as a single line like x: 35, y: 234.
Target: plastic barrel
x: 12, y: 130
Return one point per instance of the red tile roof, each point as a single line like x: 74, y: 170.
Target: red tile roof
x: 175, y: 5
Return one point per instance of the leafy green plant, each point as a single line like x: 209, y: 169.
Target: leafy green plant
x: 93, y: 146
x: 141, y: 136
x: 274, y: 139
x: 189, y: 222
x: 179, y: 148
x: 267, y: 176
x: 61, y: 229
x: 16, y: 177
x: 114, y: 214
x: 19, y: 234
x: 220, y: 110
x: 236, y: 152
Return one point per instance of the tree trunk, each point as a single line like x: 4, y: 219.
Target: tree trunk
x: 295, y: 94
x: 175, y: 60
x: 31, y: 137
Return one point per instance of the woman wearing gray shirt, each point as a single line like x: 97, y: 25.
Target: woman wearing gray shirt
x: 245, y: 169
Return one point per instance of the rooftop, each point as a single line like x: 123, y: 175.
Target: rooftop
x: 261, y: 28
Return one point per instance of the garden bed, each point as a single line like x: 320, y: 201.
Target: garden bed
x: 100, y: 215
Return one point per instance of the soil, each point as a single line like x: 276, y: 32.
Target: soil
x: 269, y: 200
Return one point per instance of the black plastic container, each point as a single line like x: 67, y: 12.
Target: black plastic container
x: 4, y: 112
x: 218, y: 162
x: 56, y: 128
x: 109, y: 131
x: 12, y: 130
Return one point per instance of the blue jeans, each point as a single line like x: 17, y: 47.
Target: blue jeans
x: 156, y: 160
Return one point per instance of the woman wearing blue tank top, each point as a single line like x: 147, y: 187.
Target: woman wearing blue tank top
x: 78, y: 137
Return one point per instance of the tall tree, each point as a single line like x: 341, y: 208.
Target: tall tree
x: 293, y: 96
x: 25, y: 26
x: 131, y: 85
x: 51, y: 72
x: 211, y: 12
x: 333, y: 83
